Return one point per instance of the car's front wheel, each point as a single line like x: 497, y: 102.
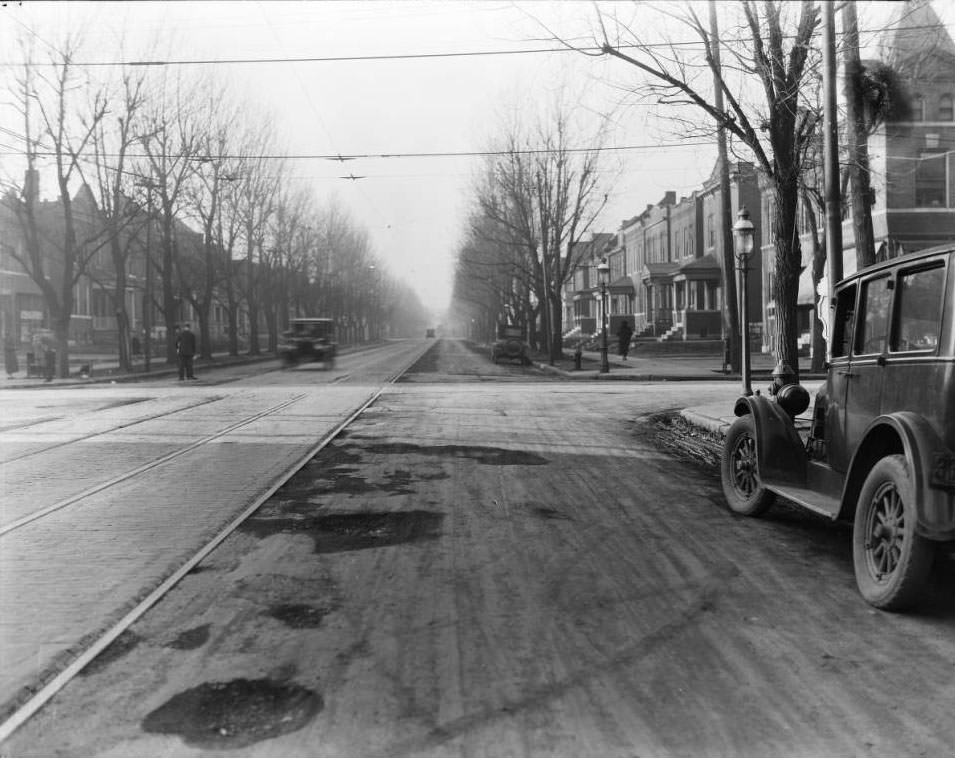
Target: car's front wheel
x: 739, y: 470
x: 891, y: 561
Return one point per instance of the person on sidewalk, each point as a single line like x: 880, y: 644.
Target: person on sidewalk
x: 10, y: 356
x: 186, y: 350
x: 624, y: 333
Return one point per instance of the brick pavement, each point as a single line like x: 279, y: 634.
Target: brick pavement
x: 71, y: 575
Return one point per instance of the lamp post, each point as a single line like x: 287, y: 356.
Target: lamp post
x: 743, y: 233
x: 603, y: 275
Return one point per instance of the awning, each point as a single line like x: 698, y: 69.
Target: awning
x: 622, y: 286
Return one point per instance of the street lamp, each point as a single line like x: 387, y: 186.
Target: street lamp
x: 743, y: 233
x: 603, y: 275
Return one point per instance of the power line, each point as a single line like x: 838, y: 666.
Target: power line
x: 448, y: 154
x: 590, y: 50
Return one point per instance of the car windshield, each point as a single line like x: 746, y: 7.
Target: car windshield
x: 313, y: 329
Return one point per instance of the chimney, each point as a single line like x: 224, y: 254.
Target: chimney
x: 31, y: 185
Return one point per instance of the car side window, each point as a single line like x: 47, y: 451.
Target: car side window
x: 843, y: 322
x: 919, y: 310
x: 873, y: 328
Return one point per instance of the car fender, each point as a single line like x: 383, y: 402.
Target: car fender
x: 780, y: 453
x: 920, y: 444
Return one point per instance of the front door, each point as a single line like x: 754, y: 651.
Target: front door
x: 843, y: 330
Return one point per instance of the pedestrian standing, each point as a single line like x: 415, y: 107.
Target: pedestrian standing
x: 186, y: 349
x: 624, y: 333
x: 10, y: 356
x: 49, y: 359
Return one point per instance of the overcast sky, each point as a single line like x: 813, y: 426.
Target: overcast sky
x: 413, y: 207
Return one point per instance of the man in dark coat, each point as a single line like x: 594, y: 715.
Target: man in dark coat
x: 186, y: 349
x: 624, y: 333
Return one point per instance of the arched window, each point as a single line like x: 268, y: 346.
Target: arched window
x: 918, y: 108
x: 945, y: 112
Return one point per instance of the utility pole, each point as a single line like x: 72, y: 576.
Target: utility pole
x: 857, y: 140
x: 727, y: 260
x: 831, y: 148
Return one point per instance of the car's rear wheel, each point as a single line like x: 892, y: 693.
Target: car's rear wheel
x: 891, y: 561
x: 739, y: 469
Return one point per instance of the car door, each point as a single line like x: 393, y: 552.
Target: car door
x: 843, y: 333
x: 867, y: 364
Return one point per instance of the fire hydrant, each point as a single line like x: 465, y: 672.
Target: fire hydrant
x: 578, y: 357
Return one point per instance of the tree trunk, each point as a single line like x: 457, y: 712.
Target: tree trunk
x: 557, y: 320
x: 122, y: 317
x: 788, y: 264
x: 168, y: 295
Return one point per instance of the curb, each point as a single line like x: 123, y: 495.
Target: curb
x: 591, y: 374
x: 715, y: 425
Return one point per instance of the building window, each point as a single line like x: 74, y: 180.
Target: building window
x: 102, y: 303
x: 930, y: 180
x: 710, y: 231
x: 918, y: 108
x: 7, y: 261
x: 945, y: 108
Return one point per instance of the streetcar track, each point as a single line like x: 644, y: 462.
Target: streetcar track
x: 44, y: 693
x: 96, y: 488
x: 89, y: 436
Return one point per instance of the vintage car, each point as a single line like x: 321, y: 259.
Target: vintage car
x: 878, y: 448
x: 309, y: 340
x: 510, y: 345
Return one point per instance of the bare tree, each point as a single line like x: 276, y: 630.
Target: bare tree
x: 59, y: 120
x: 773, y: 45
x: 257, y: 188
x: 543, y: 191
x: 118, y: 212
x: 171, y: 143
x: 214, y: 169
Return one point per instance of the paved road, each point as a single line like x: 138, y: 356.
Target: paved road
x: 108, y: 490
x: 515, y: 568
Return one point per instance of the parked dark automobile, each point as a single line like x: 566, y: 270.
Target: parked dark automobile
x: 510, y: 345
x: 309, y: 340
x: 879, y: 447
x: 429, y: 333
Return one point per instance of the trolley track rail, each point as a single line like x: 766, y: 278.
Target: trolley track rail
x: 112, y: 482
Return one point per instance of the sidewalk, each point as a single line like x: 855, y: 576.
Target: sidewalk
x: 714, y: 417
x: 105, y: 370
x: 663, y: 368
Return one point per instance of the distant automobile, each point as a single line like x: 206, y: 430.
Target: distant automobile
x: 510, y: 345
x: 309, y: 340
x: 429, y: 333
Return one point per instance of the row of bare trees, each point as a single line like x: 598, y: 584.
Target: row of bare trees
x: 753, y: 76
x: 534, y: 202
x: 176, y: 169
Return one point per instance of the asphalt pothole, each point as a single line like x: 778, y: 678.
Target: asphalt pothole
x: 299, y: 615
x: 117, y: 649
x: 550, y: 513
x: 191, y: 639
x: 489, y: 456
x: 343, y: 532
x: 235, y: 714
